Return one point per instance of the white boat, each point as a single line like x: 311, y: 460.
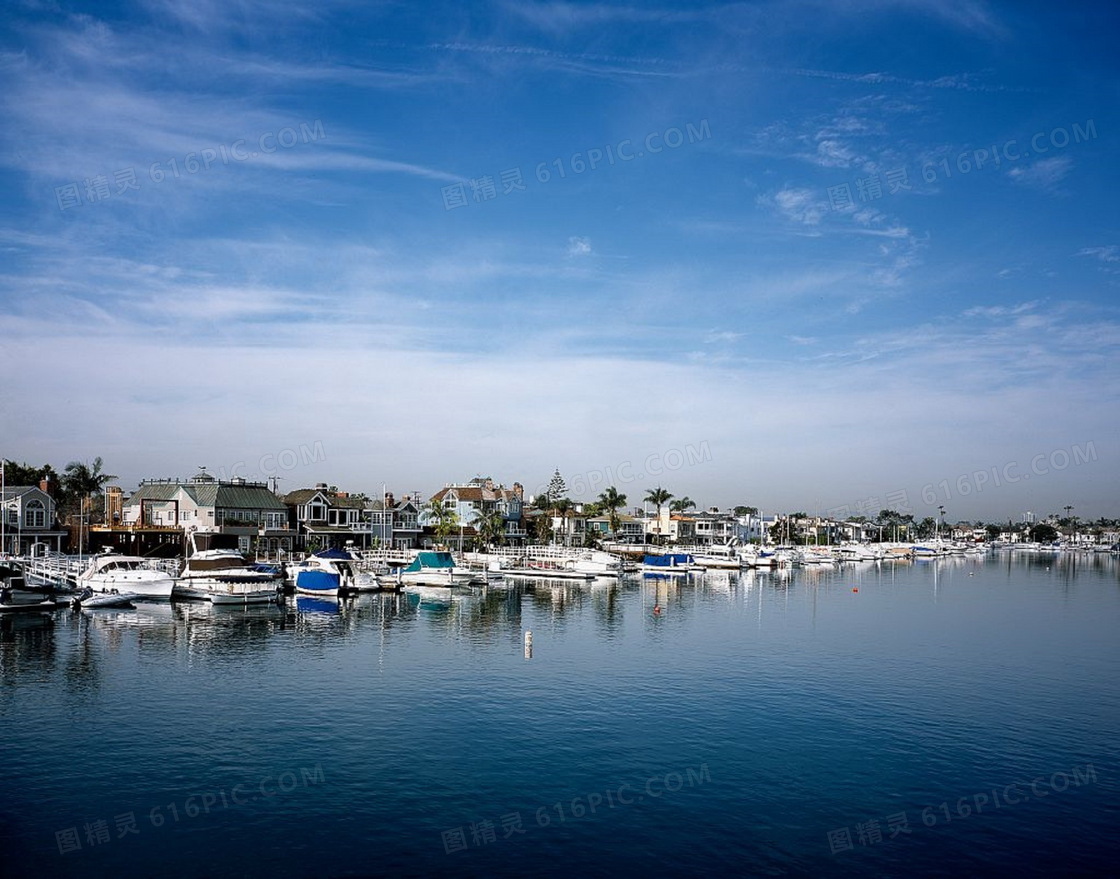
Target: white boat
x: 434, y: 568
x: 720, y: 556
x: 596, y: 562
x: 807, y: 557
x: 547, y: 570
x: 88, y: 598
x: 857, y: 552
x: 224, y: 576
x: 111, y: 572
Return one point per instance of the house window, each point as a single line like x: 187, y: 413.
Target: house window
x: 36, y: 514
x: 317, y: 512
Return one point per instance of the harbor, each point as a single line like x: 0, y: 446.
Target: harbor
x: 806, y: 700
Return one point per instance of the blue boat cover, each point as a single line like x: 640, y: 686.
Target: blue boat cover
x: 668, y: 560
x: 340, y: 555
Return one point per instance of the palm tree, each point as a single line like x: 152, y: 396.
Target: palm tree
x: 659, y: 497
x: 83, y: 482
x: 491, y: 528
x: 446, y: 520
x: 612, y: 502
x: 684, y: 503
x: 561, y: 507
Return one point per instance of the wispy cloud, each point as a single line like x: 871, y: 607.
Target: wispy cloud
x: 798, y: 204
x: 1044, y: 174
x: 1108, y: 253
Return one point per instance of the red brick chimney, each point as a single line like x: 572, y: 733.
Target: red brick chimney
x: 45, y: 485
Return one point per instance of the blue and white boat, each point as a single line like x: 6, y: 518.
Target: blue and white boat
x: 324, y: 573
x: 670, y: 564
x: 925, y: 552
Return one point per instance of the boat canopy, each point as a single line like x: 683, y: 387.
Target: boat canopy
x: 332, y: 554
x: 428, y: 560
x: 668, y: 560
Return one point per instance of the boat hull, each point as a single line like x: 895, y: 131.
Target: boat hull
x: 147, y: 585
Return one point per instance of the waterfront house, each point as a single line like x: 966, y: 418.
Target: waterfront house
x: 28, y: 518
x: 630, y: 530
x: 480, y: 497
x: 249, y: 510
x: 328, y: 518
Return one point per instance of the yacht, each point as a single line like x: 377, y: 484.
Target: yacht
x: 224, y: 576
x: 325, y: 573
x: 110, y: 573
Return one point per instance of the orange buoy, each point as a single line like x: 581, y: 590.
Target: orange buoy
x: 855, y: 589
x: 657, y: 608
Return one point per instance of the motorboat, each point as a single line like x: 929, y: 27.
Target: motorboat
x: 111, y: 573
x: 224, y: 576
x: 88, y: 599
x: 434, y: 568
x: 8, y: 605
x: 325, y: 573
x: 669, y: 564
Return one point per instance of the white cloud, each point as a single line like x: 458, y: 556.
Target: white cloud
x: 797, y: 204
x: 1108, y: 253
x: 1044, y: 174
x: 578, y: 246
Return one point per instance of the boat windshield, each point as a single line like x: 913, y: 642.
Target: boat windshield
x: 121, y: 565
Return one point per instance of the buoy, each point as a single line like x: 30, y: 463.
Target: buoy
x: 657, y: 608
x: 855, y: 589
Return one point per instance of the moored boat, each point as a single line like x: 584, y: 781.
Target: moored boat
x: 324, y: 573
x: 434, y: 568
x: 110, y: 573
x: 224, y: 577
x: 670, y: 564
x: 88, y: 598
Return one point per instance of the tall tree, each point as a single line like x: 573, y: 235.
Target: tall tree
x: 491, y: 528
x: 560, y: 509
x: 612, y: 502
x: 84, y: 482
x: 742, y: 510
x: 445, y: 521
x: 24, y: 474
x: 658, y: 497
x: 557, y: 488
x: 682, y: 504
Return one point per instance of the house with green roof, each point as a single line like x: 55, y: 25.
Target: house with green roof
x: 249, y: 510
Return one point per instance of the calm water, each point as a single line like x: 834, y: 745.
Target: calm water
x: 763, y: 724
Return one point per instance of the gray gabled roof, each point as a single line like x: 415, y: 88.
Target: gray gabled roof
x: 13, y: 491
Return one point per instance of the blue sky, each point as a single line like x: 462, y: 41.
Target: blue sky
x: 430, y: 241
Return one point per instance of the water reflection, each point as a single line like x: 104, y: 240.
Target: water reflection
x: 30, y: 644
